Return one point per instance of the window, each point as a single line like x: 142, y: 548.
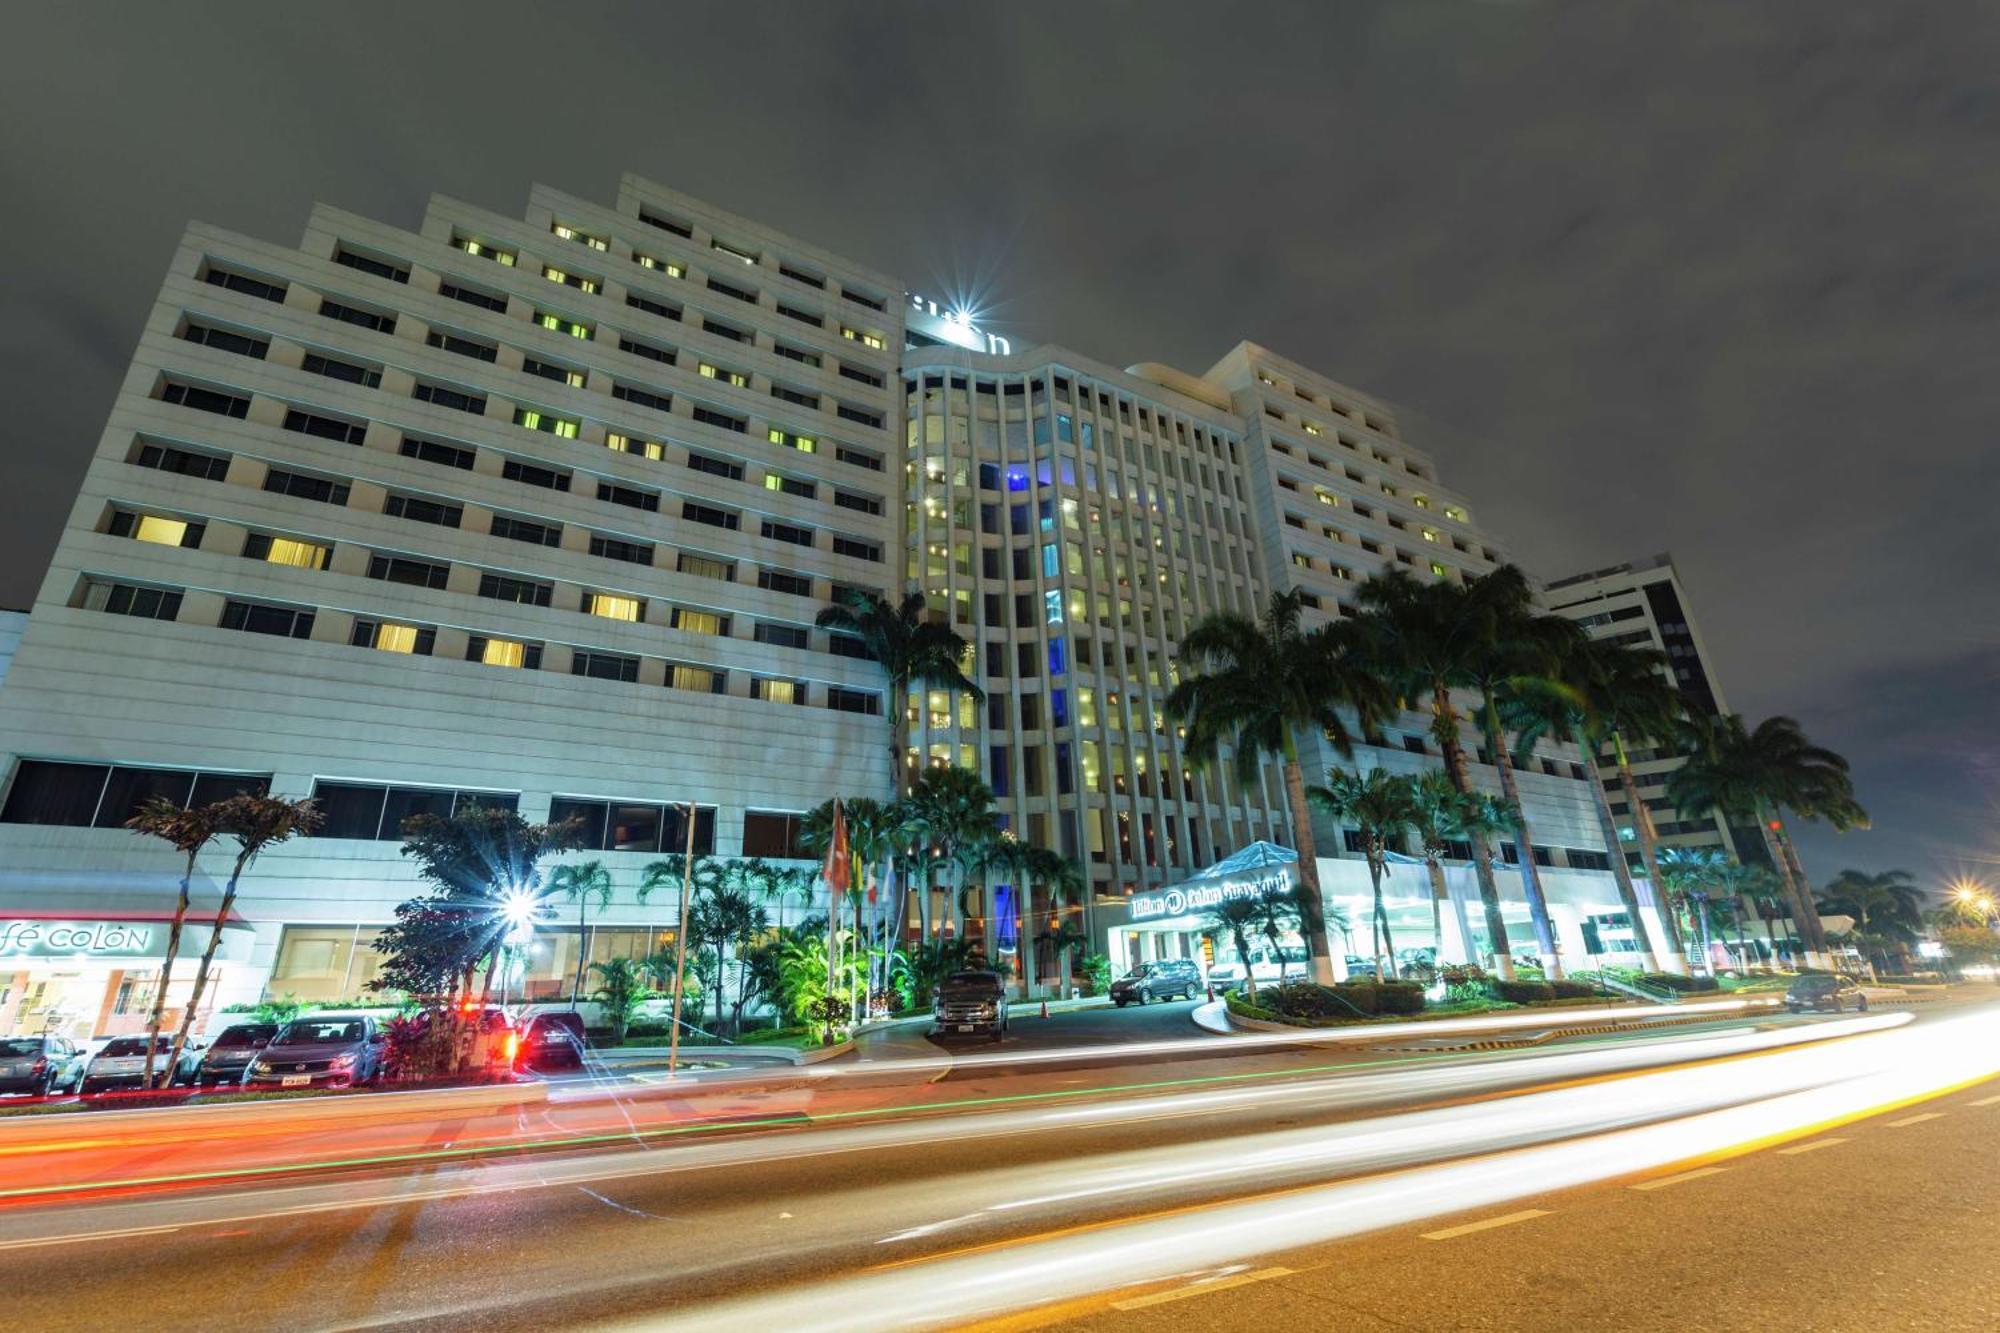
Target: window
x: 802, y: 316
x: 858, y: 549
x: 867, y: 377
x: 782, y: 636
x: 795, y: 396
x: 777, y: 691
x: 871, y: 340
x: 767, y: 833
x: 131, y: 599
x: 335, y: 369
x: 742, y: 256
x: 647, y: 350
x: 528, y: 473
x: 715, y: 467
x: 205, y: 400
x: 48, y: 791
x: 408, y: 570
x: 778, y: 580
x: 858, y: 457
x: 527, y: 592
x: 326, y: 428
x: 867, y: 504
x: 243, y: 282
x: 420, y: 510
x: 186, y: 462
x: 546, y: 422
x: 705, y: 567
x: 787, y: 532
x: 563, y: 324
x: 613, y: 826
x: 158, y: 530
x: 708, y: 416
x: 550, y: 370
x: 458, y: 400
x: 734, y: 377
x: 612, y: 606
x: 483, y: 250
x: 638, y: 397
x: 381, y: 268
x: 666, y: 266
x: 845, y: 700
x: 805, y: 444
x: 365, y: 319
x: 709, y: 514
x: 472, y: 347
x: 861, y: 415
x: 652, y: 307
x: 569, y: 233
x: 226, y: 341
x: 604, y: 666
x: 738, y: 293
x: 614, y: 548
x: 665, y: 223
x: 434, y: 451
x: 286, y: 551
x: 503, y: 652
x: 846, y: 645
x: 258, y: 618
x: 376, y: 812
x: 862, y: 299
x: 473, y: 296
x: 790, y: 486
x: 630, y: 496
x: 568, y: 279
x: 700, y: 622
x: 699, y: 680
x: 526, y: 530
x: 634, y: 445
x: 798, y: 354
x: 390, y: 637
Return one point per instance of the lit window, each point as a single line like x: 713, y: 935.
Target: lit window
x: 298, y: 554
x: 1313, y: 430
x: 501, y: 652
x: 396, y: 638
x: 1052, y: 607
x: 554, y: 274
x: 1421, y: 501
x: 666, y: 266
x: 780, y: 691
x: 572, y: 234
x: 483, y: 250
x: 699, y: 679
x: 698, y: 622
x: 736, y: 378
x: 805, y: 444
x: 1454, y: 512
x: 865, y: 339
x: 612, y: 608
x: 1326, y: 497
x: 161, y: 531
x: 1437, y: 569
x: 626, y: 444
x: 546, y: 422
x: 561, y: 325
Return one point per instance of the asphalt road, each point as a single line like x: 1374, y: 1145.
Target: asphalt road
x: 1011, y: 1149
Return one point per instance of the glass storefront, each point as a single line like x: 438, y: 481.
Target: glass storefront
x: 335, y: 964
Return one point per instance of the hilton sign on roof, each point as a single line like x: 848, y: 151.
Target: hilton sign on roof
x: 953, y: 325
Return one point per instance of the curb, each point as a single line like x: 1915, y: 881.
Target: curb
x: 417, y: 1102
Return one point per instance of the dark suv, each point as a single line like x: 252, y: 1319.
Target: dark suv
x: 231, y: 1053
x: 1821, y: 991
x: 1167, y: 979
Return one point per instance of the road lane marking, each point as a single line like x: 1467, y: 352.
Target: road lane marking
x: 1695, y: 1174
x: 1814, y: 1146
x: 1987, y: 1101
x: 30, y: 1242
x: 1504, y: 1220
x: 1200, y: 1289
x: 1916, y: 1119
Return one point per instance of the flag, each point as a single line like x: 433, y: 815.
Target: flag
x: 839, y: 869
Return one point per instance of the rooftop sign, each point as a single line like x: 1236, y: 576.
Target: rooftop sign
x: 954, y: 325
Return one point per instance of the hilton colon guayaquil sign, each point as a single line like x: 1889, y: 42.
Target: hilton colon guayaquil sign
x: 82, y: 939
x: 1199, y: 895
x: 954, y: 325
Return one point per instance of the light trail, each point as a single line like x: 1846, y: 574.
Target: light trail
x: 1790, y: 1093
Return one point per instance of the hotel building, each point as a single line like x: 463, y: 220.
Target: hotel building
x: 539, y: 511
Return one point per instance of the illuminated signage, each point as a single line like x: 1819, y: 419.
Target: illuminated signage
x: 954, y: 325
x: 69, y: 939
x: 1199, y: 895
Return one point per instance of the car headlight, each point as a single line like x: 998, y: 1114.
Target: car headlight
x: 261, y: 1067
x: 342, y: 1061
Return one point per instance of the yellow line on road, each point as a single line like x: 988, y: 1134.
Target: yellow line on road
x: 1695, y: 1174
x: 1199, y: 1289
x: 1814, y: 1146
x: 1916, y: 1119
x: 1504, y: 1220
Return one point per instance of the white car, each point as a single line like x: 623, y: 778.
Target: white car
x: 122, y: 1064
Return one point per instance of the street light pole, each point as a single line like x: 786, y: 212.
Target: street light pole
x: 680, y: 948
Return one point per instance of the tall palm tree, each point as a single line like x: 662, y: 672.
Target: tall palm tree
x: 581, y: 883
x: 1441, y: 814
x: 1007, y: 859
x: 1887, y: 905
x: 188, y: 832
x: 1692, y: 879
x: 1431, y: 641
x: 1063, y: 882
x: 1381, y: 806
x: 1277, y: 913
x: 949, y: 816
x: 1752, y: 775
x: 913, y: 648
x: 255, y: 823
x: 1256, y: 685
x: 1236, y: 918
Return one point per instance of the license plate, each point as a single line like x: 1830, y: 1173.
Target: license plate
x: 965, y: 1027
x: 295, y: 1081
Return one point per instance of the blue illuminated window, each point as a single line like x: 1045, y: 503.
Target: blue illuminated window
x: 1058, y: 656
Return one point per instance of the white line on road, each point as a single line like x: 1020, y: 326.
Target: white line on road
x: 1695, y: 1174
x: 30, y: 1242
x: 1505, y: 1219
x: 1987, y: 1101
x: 1199, y: 1289
x: 1814, y: 1146
x: 1916, y: 1119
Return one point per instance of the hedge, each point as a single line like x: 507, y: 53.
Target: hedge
x: 1573, y: 990
x: 1521, y: 992
x: 1675, y: 981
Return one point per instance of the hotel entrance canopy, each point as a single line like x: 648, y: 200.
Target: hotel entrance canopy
x: 1248, y: 873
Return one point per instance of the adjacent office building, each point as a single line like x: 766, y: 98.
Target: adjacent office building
x: 538, y: 512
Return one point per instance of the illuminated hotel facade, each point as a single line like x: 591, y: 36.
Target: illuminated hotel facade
x: 538, y: 511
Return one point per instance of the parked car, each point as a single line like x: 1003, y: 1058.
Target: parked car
x: 231, y: 1053
x: 40, y: 1066
x: 320, y: 1051
x: 971, y: 1002
x: 1822, y: 990
x: 122, y: 1064
x: 1166, y: 979
x: 550, y: 1041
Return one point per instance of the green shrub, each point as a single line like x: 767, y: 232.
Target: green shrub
x: 1305, y: 999
x: 1573, y: 990
x: 1399, y: 997
x: 1521, y: 992
x: 1680, y: 984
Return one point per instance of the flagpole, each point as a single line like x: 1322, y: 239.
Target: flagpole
x: 680, y: 947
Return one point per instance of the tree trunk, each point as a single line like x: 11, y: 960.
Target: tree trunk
x: 1524, y: 853
x: 166, y: 976
x: 1818, y: 931
x: 1621, y: 871
x: 1249, y: 967
x: 582, y: 948
x: 1312, y: 907
x: 1805, y: 922
x: 1674, y: 957
x: 1439, y: 892
x: 1445, y: 728
x: 1380, y: 924
x: 207, y: 959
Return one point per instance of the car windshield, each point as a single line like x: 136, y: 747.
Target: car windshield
x: 134, y: 1046
x: 247, y: 1034
x: 26, y: 1046
x: 1814, y: 983
x: 971, y: 985
x: 313, y: 1034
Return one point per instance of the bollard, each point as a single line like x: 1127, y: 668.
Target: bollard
x: 1045, y: 1006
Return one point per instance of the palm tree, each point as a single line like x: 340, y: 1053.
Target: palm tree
x: 1690, y: 877
x: 1752, y: 775
x: 912, y: 647
x: 1277, y: 913
x: 189, y: 832
x: 1887, y: 905
x: 1257, y: 685
x: 671, y: 871
x: 1236, y: 918
x: 581, y: 883
x: 950, y: 816
x: 254, y: 823
x: 1441, y: 814
x: 1062, y: 881
x: 1381, y: 806
x: 622, y: 990
x: 1008, y: 859
x: 876, y: 837
x: 1062, y: 936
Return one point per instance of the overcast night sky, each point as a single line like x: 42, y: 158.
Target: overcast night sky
x: 1719, y: 280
